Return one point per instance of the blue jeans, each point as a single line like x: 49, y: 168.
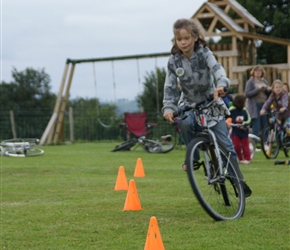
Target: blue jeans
x: 188, y: 127
x: 259, y: 122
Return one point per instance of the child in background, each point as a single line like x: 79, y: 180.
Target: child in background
x: 286, y: 88
x: 240, y: 134
x: 279, y: 101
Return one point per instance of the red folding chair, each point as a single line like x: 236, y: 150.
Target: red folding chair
x: 136, y: 125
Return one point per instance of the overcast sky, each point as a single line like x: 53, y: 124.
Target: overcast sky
x: 44, y: 33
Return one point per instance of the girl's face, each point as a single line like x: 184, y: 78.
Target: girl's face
x: 185, y: 42
x: 277, y: 89
x: 286, y: 88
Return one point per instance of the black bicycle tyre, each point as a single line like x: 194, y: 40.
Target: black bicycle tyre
x: 156, y: 147
x: 126, y: 145
x: 286, y: 145
x: 208, y: 195
x: 167, y: 147
x: 266, y: 140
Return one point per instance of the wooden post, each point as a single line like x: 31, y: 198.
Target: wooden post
x: 63, y: 106
x: 48, y: 132
x: 71, y: 124
x: 13, y: 127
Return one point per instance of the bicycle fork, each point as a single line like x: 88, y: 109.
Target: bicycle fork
x: 217, y: 175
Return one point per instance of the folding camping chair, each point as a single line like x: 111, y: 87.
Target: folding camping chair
x: 136, y: 125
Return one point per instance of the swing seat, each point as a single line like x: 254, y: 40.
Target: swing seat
x: 136, y: 125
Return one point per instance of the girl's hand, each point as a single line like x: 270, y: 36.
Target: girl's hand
x: 169, y: 116
x: 262, y: 112
x: 218, y: 91
x: 281, y: 110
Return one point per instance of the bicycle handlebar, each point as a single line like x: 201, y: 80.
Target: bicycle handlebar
x: 188, y: 107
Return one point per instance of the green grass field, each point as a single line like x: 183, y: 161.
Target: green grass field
x: 65, y: 199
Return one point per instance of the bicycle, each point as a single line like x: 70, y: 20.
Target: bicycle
x: 149, y: 145
x: 218, y: 185
x: 20, y: 147
x: 274, y: 137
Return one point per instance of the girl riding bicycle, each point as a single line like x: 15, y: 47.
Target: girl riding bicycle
x: 193, y: 68
x: 279, y: 101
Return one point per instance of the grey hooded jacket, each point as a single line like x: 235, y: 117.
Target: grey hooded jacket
x: 197, y: 78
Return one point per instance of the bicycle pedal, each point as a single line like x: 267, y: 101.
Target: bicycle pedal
x: 197, y: 165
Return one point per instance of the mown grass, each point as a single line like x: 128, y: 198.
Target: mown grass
x: 65, y: 199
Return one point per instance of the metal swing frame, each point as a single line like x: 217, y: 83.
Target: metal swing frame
x: 54, y: 129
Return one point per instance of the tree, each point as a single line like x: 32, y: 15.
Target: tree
x: 275, y: 16
x: 29, y: 91
x: 28, y: 94
x: 151, y: 98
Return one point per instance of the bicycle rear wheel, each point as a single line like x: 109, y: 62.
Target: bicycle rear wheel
x: 270, y: 142
x: 126, y: 145
x: 34, y: 152
x: 252, y: 147
x: 220, y: 194
x: 286, y: 145
x: 157, y: 147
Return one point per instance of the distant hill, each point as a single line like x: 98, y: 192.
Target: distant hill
x: 125, y: 105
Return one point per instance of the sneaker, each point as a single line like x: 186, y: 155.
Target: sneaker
x: 258, y: 150
x: 245, y: 162
x: 268, y: 153
x: 196, y: 165
x: 247, y: 190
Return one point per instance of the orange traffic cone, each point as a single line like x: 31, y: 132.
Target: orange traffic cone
x: 132, y: 199
x: 153, y: 240
x: 121, y: 182
x: 139, y: 170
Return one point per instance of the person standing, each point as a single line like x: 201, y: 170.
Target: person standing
x: 257, y: 91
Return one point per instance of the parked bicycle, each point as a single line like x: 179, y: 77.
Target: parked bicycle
x: 20, y: 147
x: 218, y: 184
x: 274, y: 137
x: 165, y: 144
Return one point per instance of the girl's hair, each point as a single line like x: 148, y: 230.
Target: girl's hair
x: 239, y: 101
x: 258, y: 67
x: 191, y: 27
x: 286, y: 84
x: 277, y: 81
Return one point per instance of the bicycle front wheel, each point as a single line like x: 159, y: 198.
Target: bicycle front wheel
x: 270, y: 142
x: 220, y: 193
x: 158, y: 147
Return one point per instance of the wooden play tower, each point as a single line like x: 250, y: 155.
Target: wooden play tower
x: 217, y: 19
x: 229, y: 20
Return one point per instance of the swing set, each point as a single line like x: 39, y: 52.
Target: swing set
x: 54, y: 129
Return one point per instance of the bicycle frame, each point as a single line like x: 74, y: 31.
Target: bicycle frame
x: 201, y: 118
